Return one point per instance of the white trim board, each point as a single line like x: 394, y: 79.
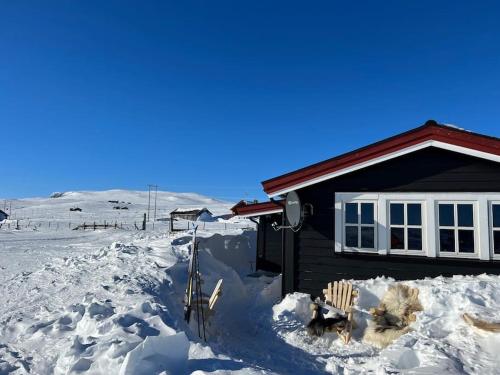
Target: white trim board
x: 392, y: 155
x: 276, y: 211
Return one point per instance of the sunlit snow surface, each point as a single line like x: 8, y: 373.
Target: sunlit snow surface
x: 110, y: 302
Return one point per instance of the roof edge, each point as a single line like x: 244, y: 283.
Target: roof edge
x: 431, y: 130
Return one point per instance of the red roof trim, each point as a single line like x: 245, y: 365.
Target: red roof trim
x: 255, y: 208
x: 430, y: 131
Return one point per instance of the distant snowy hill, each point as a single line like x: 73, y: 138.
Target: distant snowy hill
x: 110, y: 205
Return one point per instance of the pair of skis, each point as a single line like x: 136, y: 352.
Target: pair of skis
x: 194, y: 288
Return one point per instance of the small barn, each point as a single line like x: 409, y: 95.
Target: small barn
x: 419, y: 204
x: 269, y: 240
x: 3, y: 215
x: 191, y: 214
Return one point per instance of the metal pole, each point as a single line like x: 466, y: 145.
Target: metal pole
x: 156, y: 194
x: 149, y: 199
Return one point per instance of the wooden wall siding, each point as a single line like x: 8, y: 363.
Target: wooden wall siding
x: 427, y: 170
x: 313, y: 272
x: 269, y: 248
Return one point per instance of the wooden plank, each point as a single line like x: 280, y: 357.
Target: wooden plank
x: 334, y: 293
x: 215, y: 295
x: 329, y: 297
x: 339, y: 294
x: 347, y: 303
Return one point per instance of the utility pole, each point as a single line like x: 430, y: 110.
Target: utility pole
x: 156, y: 194
x: 155, y: 187
x: 149, y: 198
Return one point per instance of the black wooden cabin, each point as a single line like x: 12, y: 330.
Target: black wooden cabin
x: 421, y: 204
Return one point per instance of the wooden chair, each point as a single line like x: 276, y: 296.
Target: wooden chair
x: 341, y: 295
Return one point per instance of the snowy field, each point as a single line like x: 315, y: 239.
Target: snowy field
x: 110, y: 302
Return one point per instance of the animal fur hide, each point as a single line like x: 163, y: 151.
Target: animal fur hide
x: 481, y: 324
x: 392, y: 317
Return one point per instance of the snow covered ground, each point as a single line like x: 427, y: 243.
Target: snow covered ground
x: 110, y: 302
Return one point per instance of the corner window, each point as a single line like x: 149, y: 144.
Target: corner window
x: 405, y: 220
x: 359, y: 225
x: 456, y: 228
x: 495, y: 228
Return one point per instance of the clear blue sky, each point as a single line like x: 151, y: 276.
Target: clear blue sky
x: 215, y: 97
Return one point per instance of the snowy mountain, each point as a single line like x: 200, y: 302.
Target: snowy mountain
x: 111, y: 205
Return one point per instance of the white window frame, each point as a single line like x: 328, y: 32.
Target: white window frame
x: 492, y: 229
x: 359, y: 225
x: 456, y: 228
x: 430, y: 242
x: 405, y: 226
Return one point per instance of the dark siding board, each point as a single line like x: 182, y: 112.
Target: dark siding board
x: 315, y: 243
x: 428, y: 170
x: 289, y: 279
x: 269, y: 251
x: 315, y: 276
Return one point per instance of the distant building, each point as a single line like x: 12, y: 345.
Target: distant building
x: 3, y: 215
x: 191, y: 214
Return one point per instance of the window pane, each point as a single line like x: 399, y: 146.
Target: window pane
x: 447, y: 240
x: 414, y: 239
x: 446, y: 216
x: 397, y: 238
x: 496, y: 215
x: 465, y: 215
x: 351, y: 236
x: 496, y: 242
x: 466, y: 241
x: 367, y: 237
x: 351, y: 213
x: 414, y: 212
x: 367, y: 213
x: 397, y: 214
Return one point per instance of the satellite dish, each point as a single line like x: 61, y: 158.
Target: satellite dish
x: 293, y: 209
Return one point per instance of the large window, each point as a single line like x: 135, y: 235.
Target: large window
x: 405, y: 221
x: 432, y: 224
x: 495, y: 228
x: 456, y: 228
x: 359, y: 225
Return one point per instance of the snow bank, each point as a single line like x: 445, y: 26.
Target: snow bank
x: 235, y: 249
x: 162, y: 354
x: 441, y: 342
x: 293, y: 306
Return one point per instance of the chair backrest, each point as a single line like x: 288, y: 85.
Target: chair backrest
x: 340, y: 295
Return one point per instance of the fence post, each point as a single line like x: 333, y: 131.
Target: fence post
x: 94, y: 225
x: 144, y: 222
